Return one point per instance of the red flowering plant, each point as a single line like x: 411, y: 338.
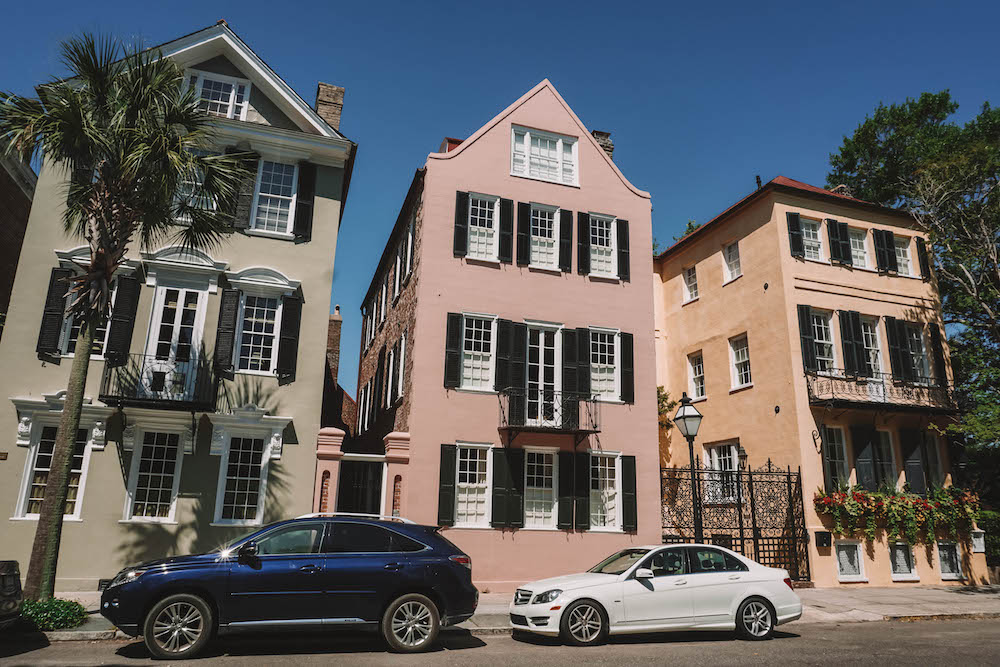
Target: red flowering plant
x: 901, y: 513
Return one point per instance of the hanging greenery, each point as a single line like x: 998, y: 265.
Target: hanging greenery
x: 904, y: 515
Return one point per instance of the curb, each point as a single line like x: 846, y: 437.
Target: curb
x: 966, y: 616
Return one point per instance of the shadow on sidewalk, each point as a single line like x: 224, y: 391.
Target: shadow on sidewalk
x: 652, y: 638
x: 19, y: 643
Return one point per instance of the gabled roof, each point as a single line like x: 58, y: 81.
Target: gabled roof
x: 789, y: 186
x: 585, y: 134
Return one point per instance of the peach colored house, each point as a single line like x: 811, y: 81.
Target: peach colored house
x: 506, y: 385
x: 807, y: 327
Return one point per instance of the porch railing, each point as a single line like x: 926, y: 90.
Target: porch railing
x: 143, y: 380
x: 547, y: 410
x: 836, y: 386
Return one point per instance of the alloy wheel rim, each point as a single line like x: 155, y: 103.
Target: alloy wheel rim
x: 757, y: 619
x: 411, y: 624
x: 177, y: 627
x: 585, y: 623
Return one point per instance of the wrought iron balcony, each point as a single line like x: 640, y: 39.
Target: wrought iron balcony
x: 547, y: 411
x: 146, y: 381
x: 835, y: 387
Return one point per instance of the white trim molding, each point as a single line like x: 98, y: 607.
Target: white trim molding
x: 185, y: 264
x: 30, y: 411
x: 262, y: 280
x: 248, y: 419
x: 146, y: 419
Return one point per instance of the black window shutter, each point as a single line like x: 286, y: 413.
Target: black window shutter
x: 833, y: 234
x: 505, y: 341
x: 453, y: 351
x: 628, y: 369
x: 925, y: 265
x: 885, y: 251
x: 565, y: 240
x: 583, y: 243
x: 624, y: 271
x: 304, y: 201
x: 806, y: 338
x: 859, y: 343
x: 583, y: 361
x: 122, y: 320
x: 518, y: 372
x: 390, y: 376
x: 446, y: 486
x: 379, y: 399
x: 565, y: 515
x: 795, y: 235
x: 515, y: 495
x: 581, y: 490
x: 53, y: 312
x: 523, y: 233
x: 864, y: 461
x: 288, y: 342
x: 225, y: 333
x: 501, y: 488
x: 248, y: 187
x: 461, y: 224
x: 506, y: 245
x: 853, y: 343
x: 940, y: 371
x: 913, y: 460
x: 630, y: 518
x: 569, y: 361
x: 900, y: 359
x: 846, y: 254
x: 890, y: 251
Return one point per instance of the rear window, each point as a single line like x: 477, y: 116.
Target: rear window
x: 713, y: 560
x: 349, y: 537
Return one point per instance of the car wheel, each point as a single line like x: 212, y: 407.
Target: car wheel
x: 584, y: 623
x: 755, y: 619
x: 410, y: 624
x: 178, y: 627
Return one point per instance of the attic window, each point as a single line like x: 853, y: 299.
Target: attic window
x: 543, y: 155
x: 220, y: 95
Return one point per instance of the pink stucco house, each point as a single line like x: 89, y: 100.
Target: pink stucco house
x: 506, y: 387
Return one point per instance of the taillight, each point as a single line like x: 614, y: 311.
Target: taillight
x: 461, y: 559
x: 789, y: 582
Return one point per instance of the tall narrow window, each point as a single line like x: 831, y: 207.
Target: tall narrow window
x: 741, y: 362
x: 812, y: 241
x: 873, y: 351
x: 382, y: 308
x: 859, y: 248
x: 154, y: 476
x: 603, y: 491
x: 258, y: 328
x: 903, y: 255
x: 603, y: 255
x: 835, y: 458
x: 918, y: 352
x: 885, y: 461
x: 544, y: 237
x: 275, y: 197
x: 724, y: 460
x: 603, y: 369
x: 42, y: 464
x: 484, y: 216
x: 241, y: 495
x: 543, y: 155
x: 477, y: 353
x: 539, y: 489
x: 823, y: 334
x: 690, y: 284
x: 472, y: 489
x: 948, y: 557
x: 542, y: 365
x: 734, y: 269
x: 696, y: 375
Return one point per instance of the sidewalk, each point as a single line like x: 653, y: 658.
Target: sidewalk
x: 821, y: 605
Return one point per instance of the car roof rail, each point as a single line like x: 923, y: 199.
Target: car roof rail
x: 360, y: 515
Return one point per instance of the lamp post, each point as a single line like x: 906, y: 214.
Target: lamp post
x: 688, y: 421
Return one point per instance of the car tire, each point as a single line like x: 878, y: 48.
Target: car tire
x: 755, y: 619
x: 411, y: 624
x: 584, y: 623
x: 178, y: 627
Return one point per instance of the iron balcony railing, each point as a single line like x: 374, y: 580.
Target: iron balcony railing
x: 548, y: 410
x: 143, y: 380
x: 881, y: 389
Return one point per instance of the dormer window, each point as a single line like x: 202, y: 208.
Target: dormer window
x: 543, y: 155
x: 220, y: 95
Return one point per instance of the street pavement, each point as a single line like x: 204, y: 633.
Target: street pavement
x: 965, y: 642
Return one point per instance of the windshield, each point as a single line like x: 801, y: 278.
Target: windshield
x: 619, y: 562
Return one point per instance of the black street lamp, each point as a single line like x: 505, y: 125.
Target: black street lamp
x: 688, y: 421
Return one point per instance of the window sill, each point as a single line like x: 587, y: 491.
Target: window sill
x: 162, y: 522
x: 545, y: 180
x: 603, y: 278
x: 609, y: 400
x: 483, y: 261
x: 283, y: 236
x: 269, y: 374
x: 853, y: 580
x: 905, y: 577
x: 700, y: 399
x: 471, y: 527
x: 601, y: 529
x: 66, y: 519
x: 545, y: 529
x: 732, y: 280
x: 473, y: 390
x: 742, y: 387
x: 952, y: 577
x: 545, y: 269
x: 70, y: 355
x: 684, y: 303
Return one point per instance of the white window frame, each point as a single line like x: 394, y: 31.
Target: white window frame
x: 734, y: 370
x: 488, y: 447
x: 949, y: 576
x: 554, y: 452
x: 912, y: 575
x: 560, y: 140
x: 856, y: 544
x: 876, y: 351
x: 901, y: 246
x: 133, y: 477
x: 713, y: 458
x: 64, y: 335
x: 397, y: 278
x: 829, y: 462
x: 613, y: 232
x: 402, y: 366
x: 807, y: 242
x: 728, y: 272
x: 220, y: 489
x: 383, y: 295
x: 493, y: 255
x: 617, y: 458
x: 827, y: 317
x: 614, y: 396
x: 556, y: 219
x: 692, y: 376
x: 690, y: 287
x: 222, y: 78
x: 389, y: 390
x: 20, y: 510
x: 253, y: 229
x: 924, y: 373
x: 852, y: 236
x: 542, y: 327
x: 239, y: 330
x: 411, y: 229
x: 489, y: 388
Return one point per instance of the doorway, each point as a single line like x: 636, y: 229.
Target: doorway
x: 360, y: 487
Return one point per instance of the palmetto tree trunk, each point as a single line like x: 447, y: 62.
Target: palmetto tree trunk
x: 40, y: 580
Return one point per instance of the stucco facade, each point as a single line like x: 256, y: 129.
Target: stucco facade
x: 800, y: 396
x: 187, y: 432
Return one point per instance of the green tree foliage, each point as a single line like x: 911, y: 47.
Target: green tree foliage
x: 688, y: 228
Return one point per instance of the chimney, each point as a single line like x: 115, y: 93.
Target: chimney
x: 604, y: 139
x: 330, y: 103
x: 333, y: 342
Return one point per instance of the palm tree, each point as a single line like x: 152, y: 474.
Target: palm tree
x: 134, y: 148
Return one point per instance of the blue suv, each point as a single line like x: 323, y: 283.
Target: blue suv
x: 319, y: 570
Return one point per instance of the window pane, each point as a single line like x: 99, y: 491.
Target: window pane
x: 902, y: 559
x: 848, y: 560
x: 823, y: 334
x: 948, y: 553
x: 668, y: 563
x: 690, y: 283
x: 360, y: 538
x: 603, y: 492
x: 835, y: 457
x: 602, y: 252
x: 241, y: 497
x: 477, y: 353
x: 472, y: 487
x: 216, y: 98
x: 697, y: 368
x: 708, y: 560
x: 299, y: 539
x: 543, y: 158
x: 873, y: 354
x: 903, y: 256
x: 741, y: 361
x: 859, y: 251
x: 811, y: 240
x: 539, y: 496
x: 155, y: 483
x: 274, y: 199
x: 43, y: 464
x: 482, y: 228
x: 733, y: 268
x: 544, y: 250
x: 602, y: 363
x: 257, y: 333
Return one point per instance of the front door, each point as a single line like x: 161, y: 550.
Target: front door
x: 360, y: 487
x: 664, y: 600
x: 542, y: 377
x: 170, y: 369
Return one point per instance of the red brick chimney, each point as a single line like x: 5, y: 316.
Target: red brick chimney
x: 330, y: 103
x: 604, y: 139
x: 333, y: 342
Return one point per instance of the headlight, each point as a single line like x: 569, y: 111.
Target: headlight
x: 126, y: 576
x: 547, y: 596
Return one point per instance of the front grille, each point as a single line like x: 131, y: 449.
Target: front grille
x: 517, y: 619
x: 522, y: 596
x: 540, y: 620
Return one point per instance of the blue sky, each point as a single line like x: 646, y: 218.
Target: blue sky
x: 699, y: 97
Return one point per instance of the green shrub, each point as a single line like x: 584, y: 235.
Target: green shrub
x: 989, y: 521
x: 53, y: 614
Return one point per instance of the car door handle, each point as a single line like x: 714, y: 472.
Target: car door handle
x: 393, y: 566
x: 309, y: 569
x: 735, y: 576
x: 680, y: 583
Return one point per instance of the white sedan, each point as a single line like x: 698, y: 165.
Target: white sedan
x: 659, y: 588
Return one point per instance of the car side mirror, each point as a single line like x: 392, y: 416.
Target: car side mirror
x: 643, y: 573
x: 248, y: 550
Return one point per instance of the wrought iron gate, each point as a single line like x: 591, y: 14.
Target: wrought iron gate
x: 758, y: 513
